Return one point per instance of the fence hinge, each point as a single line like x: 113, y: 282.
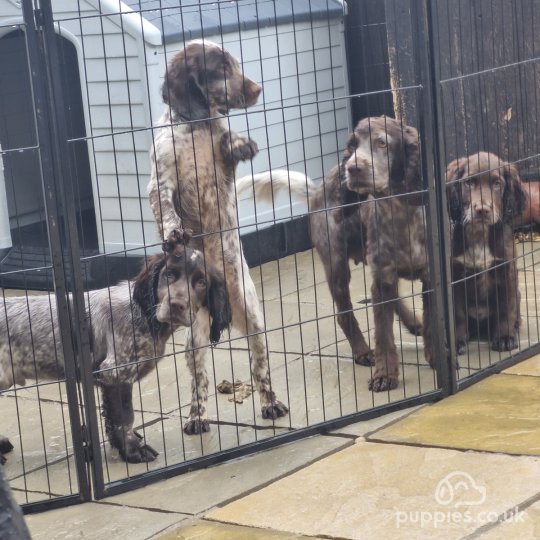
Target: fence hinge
x: 87, y: 447
x: 38, y: 17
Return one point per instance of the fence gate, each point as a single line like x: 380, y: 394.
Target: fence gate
x: 45, y: 254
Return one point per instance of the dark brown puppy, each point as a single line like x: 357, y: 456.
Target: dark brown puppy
x: 380, y: 159
x: 485, y: 195
x: 337, y: 232
x: 384, y: 165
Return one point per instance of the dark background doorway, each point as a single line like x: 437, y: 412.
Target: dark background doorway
x: 22, y: 169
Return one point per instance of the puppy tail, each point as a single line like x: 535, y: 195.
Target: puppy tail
x: 270, y: 183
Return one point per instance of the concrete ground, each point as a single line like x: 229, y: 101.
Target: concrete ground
x: 312, y: 371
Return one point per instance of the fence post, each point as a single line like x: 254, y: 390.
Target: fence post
x: 433, y: 168
x: 60, y: 203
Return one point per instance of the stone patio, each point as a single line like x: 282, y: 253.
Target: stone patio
x: 361, y: 481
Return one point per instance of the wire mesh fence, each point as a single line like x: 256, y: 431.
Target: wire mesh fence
x: 216, y: 242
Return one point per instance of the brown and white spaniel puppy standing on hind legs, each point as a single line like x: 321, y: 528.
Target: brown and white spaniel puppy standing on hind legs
x: 192, y: 188
x: 485, y: 196
x: 130, y: 324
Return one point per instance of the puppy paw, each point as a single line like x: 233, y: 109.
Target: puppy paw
x: 236, y: 148
x: 140, y: 454
x: 176, y: 239
x: 416, y: 329
x: 461, y: 346
x: 383, y: 383
x: 244, y: 149
x: 274, y: 410
x: 504, y: 343
x: 365, y: 358
x: 194, y: 427
x: 5, y: 445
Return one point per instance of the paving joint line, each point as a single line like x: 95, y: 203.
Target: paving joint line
x: 504, y: 517
x: 427, y: 445
x: 276, y: 479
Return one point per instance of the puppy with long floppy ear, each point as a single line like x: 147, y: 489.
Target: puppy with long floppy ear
x: 130, y: 325
x: 194, y: 152
x: 385, y: 165
x: 337, y: 213
x: 192, y: 188
x: 485, y: 195
x: 186, y: 288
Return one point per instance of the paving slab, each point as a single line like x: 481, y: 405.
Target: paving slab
x: 479, y: 354
x: 283, y: 276
x: 40, y: 432
x: 359, y: 429
x: 315, y: 388
x: 498, y: 414
x: 169, y: 386
x: 98, y: 521
x: 200, y: 530
x: 300, y: 328
x: 57, y: 479
x: 197, y: 491
x: 525, y: 526
x: 527, y: 367
x: 174, y: 447
x: 389, y: 491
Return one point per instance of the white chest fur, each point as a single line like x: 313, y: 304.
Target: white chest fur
x: 478, y: 255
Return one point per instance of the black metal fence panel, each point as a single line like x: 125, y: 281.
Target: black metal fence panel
x: 42, y: 411
x: 204, y: 307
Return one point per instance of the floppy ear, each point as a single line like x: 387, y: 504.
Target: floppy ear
x: 145, y: 287
x: 182, y: 91
x: 350, y: 149
x: 514, y: 196
x: 412, y: 178
x: 219, y: 307
x: 350, y: 201
x: 455, y: 172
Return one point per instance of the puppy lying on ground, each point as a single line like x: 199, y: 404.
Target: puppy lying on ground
x: 485, y: 196
x: 130, y: 324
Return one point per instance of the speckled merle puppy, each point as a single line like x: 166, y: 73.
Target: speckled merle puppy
x: 130, y: 325
x: 192, y: 187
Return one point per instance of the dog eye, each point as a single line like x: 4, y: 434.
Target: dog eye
x: 496, y: 183
x: 201, y: 283
x: 381, y: 143
x: 171, y: 274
